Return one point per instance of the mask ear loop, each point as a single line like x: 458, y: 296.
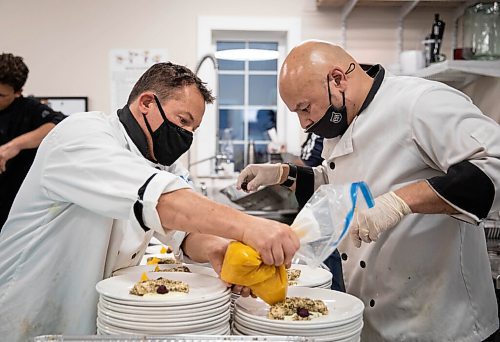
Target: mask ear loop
x: 329, y: 92
x: 349, y: 70
x: 147, y: 124
x: 159, y: 108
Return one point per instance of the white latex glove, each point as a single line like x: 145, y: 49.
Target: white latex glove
x: 368, y: 224
x: 256, y: 175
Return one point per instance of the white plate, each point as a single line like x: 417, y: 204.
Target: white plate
x: 202, y: 288
x: 354, y: 336
x: 348, y: 328
x: 155, y: 241
x: 163, y: 317
x: 292, y: 325
x: 104, y: 329
x: 156, y: 249
x: 311, y: 277
x: 203, y: 323
x: 220, y: 297
x: 145, y: 257
x: 155, y: 310
x: 341, y: 307
x: 150, y: 268
x: 112, y: 330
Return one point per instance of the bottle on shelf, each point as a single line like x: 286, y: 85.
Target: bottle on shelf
x: 436, y: 35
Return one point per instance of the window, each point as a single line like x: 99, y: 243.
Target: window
x: 247, y: 102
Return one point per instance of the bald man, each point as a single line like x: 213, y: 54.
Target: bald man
x: 417, y: 258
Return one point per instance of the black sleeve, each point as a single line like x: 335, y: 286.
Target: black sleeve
x: 138, y: 206
x: 466, y: 187
x: 304, y: 187
x: 41, y: 114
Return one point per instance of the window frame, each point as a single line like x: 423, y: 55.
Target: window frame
x: 210, y: 29
x: 246, y: 107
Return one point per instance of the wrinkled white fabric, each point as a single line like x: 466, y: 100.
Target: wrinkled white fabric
x: 426, y: 266
x: 72, y: 224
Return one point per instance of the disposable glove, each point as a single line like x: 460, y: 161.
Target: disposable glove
x: 368, y: 224
x: 255, y: 175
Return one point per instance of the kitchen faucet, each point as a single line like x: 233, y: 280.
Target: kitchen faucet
x: 219, y: 159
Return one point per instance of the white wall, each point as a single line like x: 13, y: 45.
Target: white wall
x: 66, y: 43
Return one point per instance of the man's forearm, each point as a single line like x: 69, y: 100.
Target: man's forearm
x: 188, y: 211
x: 32, y: 139
x: 198, y: 246
x: 423, y: 200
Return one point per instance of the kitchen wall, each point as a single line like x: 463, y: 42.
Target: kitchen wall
x: 66, y: 43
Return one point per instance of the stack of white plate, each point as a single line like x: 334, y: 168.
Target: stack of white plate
x: 313, y: 277
x: 309, y: 277
x: 343, y: 322
x: 202, y: 311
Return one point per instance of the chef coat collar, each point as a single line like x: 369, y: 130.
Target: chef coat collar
x: 134, y: 131
x: 376, y: 72
x: 343, y: 145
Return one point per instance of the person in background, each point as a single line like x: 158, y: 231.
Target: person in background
x: 24, y: 122
x: 417, y: 258
x: 99, y: 188
x: 310, y: 153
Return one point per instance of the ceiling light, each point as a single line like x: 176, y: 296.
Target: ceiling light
x: 247, y: 54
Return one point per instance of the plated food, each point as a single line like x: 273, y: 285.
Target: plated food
x: 166, y: 249
x: 298, y: 309
x: 159, y: 286
x: 293, y: 274
x: 163, y: 261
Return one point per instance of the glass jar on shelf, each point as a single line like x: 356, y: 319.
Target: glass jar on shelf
x: 481, y: 30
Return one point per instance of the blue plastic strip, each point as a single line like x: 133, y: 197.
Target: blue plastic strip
x: 367, y: 195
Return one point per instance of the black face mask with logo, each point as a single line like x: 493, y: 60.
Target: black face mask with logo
x: 334, y: 122
x: 169, y: 140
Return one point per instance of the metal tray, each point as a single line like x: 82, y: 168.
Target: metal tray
x: 172, y: 338
x: 270, y: 198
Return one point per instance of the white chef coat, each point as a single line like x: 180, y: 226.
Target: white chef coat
x: 73, y: 223
x: 428, y: 278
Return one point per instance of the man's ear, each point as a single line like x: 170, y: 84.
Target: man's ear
x: 338, y: 77
x: 145, y: 102
x: 18, y: 93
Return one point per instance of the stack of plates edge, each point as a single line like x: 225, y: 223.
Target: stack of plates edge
x: 342, y: 324
x: 169, y: 338
x: 202, y: 311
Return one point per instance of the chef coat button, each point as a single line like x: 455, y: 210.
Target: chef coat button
x: 372, y: 303
x: 133, y: 255
x: 362, y: 264
x: 344, y: 256
x: 332, y: 165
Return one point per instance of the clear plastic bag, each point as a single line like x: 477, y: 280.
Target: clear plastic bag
x: 326, y: 217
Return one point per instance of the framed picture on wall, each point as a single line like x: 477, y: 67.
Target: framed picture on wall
x: 64, y: 104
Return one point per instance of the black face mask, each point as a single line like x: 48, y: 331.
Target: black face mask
x: 169, y: 140
x: 334, y: 122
